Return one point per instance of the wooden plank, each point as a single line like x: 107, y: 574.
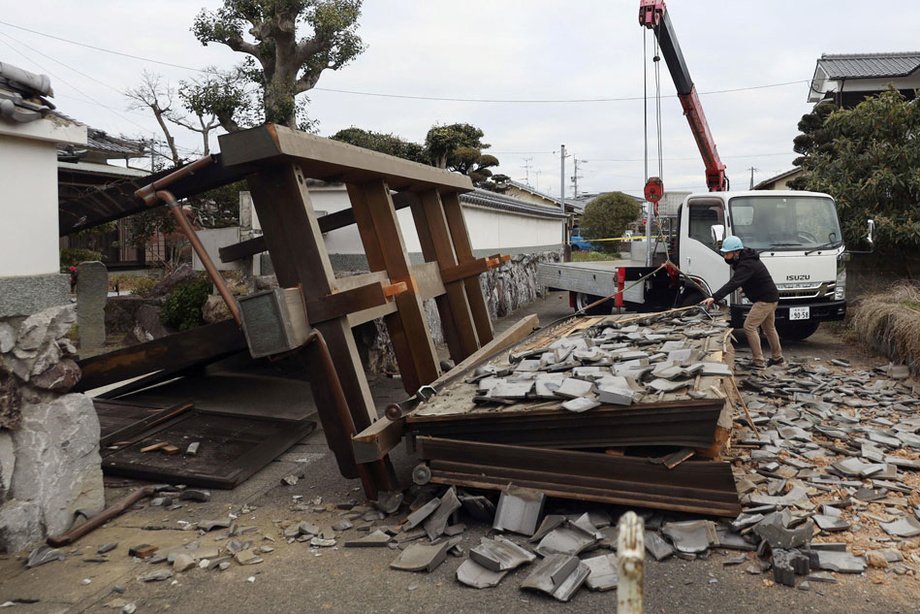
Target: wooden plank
x: 133, y: 430
x: 298, y: 254
x: 385, y: 249
x: 233, y: 448
x: 198, y: 346
x: 427, y: 282
x: 322, y: 158
x: 464, y: 250
x: 378, y: 439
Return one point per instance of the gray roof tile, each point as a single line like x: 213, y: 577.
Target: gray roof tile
x: 869, y: 65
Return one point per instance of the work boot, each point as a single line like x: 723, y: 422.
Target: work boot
x: 776, y: 362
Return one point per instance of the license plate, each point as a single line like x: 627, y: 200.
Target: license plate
x: 799, y: 313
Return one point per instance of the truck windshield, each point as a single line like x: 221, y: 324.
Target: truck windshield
x: 785, y: 222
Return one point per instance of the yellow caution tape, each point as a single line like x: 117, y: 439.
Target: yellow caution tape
x: 633, y: 238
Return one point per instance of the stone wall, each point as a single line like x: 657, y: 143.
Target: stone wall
x: 50, y: 466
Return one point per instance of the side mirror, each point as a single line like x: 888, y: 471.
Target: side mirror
x: 718, y: 234
x: 871, y: 236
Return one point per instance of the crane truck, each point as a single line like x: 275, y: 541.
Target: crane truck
x: 796, y: 233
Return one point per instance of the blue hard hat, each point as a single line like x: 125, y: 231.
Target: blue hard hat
x: 731, y: 244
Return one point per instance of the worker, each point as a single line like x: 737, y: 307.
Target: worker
x: 750, y: 274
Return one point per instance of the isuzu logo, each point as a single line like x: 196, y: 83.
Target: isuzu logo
x: 798, y: 277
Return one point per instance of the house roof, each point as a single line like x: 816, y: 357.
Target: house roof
x: 766, y: 182
x: 494, y: 200
x: 869, y: 65
x: 534, y: 191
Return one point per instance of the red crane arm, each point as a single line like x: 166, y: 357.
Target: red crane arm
x: 653, y: 15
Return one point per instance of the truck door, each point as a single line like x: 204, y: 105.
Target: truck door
x: 699, y: 251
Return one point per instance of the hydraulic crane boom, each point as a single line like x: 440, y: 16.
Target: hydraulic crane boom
x: 653, y: 15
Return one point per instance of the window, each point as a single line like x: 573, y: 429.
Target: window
x: 703, y: 215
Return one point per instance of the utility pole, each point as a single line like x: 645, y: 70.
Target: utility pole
x: 576, y: 176
x: 752, y: 176
x: 567, y: 227
x: 527, y: 167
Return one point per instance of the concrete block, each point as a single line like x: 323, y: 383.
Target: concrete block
x: 92, y: 290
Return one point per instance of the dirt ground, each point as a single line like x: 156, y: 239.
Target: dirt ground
x: 297, y: 578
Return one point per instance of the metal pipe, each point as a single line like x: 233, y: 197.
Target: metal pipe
x: 176, y: 209
x: 341, y: 406
x: 148, y: 192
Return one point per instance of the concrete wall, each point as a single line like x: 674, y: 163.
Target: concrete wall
x: 29, y: 207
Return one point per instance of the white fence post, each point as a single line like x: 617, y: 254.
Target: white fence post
x: 631, y: 555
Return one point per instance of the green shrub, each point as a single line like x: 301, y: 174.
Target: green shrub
x: 72, y: 256
x: 182, y: 309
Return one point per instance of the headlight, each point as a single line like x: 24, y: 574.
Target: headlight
x: 840, y: 288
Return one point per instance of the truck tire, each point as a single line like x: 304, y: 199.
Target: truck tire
x: 797, y: 331
x: 582, y: 299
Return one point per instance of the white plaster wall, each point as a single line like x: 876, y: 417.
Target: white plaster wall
x: 28, y: 208
x: 489, y: 229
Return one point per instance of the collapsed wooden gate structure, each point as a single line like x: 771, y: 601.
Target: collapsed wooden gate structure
x: 276, y: 162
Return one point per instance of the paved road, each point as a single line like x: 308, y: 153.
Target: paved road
x: 295, y: 579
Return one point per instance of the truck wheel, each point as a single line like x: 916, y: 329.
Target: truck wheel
x: 582, y: 300
x: 797, y: 331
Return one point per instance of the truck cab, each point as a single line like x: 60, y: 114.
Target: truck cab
x: 798, y: 237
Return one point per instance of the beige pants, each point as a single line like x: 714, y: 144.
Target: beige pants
x: 762, y: 315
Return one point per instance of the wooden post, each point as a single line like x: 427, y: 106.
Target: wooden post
x: 454, y: 308
x: 631, y: 559
x: 386, y: 251
x: 298, y: 253
x: 464, y: 250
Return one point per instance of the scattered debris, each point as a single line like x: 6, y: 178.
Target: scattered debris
x: 519, y: 510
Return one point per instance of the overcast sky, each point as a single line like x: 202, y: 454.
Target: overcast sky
x: 499, y: 50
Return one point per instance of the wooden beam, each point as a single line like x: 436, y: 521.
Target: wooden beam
x: 321, y: 158
x: 341, y: 304
x: 464, y: 250
x: 199, y: 346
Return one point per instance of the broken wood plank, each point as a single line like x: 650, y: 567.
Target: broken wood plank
x: 341, y: 304
x: 126, y: 435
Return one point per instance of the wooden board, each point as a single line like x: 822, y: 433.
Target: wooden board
x: 232, y: 448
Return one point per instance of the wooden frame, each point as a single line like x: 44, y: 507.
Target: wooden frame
x: 394, y: 289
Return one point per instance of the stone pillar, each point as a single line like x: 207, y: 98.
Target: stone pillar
x: 92, y: 291
x: 49, y: 444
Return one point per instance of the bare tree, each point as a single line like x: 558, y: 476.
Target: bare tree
x: 155, y: 94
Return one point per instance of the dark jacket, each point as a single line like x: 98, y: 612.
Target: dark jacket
x: 749, y: 274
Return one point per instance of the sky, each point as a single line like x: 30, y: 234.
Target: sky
x: 529, y: 73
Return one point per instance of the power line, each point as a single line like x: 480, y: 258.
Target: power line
x: 409, y: 96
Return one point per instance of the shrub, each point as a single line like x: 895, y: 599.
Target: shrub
x: 182, y: 309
